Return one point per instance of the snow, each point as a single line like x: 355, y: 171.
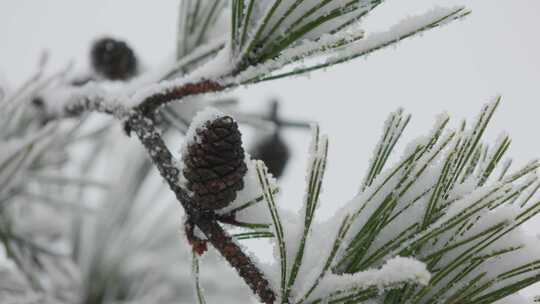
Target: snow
x: 302, y: 13
x: 215, y: 69
x: 257, y: 213
x: 295, y: 228
x: 273, y: 20
x: 90, y: 97
x: 393, y: 269
x: 199, y: 121
x: 346, y: 43
x: 320, y: 45
x: 198, y: 54
x: 396, y: 271
x: 513, y: 299
x: 119, y: 97
x: 304, y: 50
x: 437, y: 16
x: 481, y: 204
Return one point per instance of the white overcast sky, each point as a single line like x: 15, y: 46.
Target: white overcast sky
x: 455, y: 69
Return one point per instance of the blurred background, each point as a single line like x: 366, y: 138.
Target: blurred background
x: 455, y: 69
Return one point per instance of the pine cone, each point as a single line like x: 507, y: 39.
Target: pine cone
x: 274, y: 152
x: 113, y: 59
x: 214, y: 163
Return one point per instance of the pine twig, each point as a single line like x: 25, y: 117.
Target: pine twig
x: 150, y: 104
x: 162, y: 158
x: 139, y: 120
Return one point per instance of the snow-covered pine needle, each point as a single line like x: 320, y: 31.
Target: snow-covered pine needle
x: 462, y: 230
x: 343, y: 229
x: 244, y: 205
x: 441, y: 204
x: 365, y: 285
x: 197, y: 278
x: 276, y: 25
x: 253, y: 235
x: 394, y: 127
x: 315, y: 174
x: 189, y: 62
x: 262, y: 175
x: 353, y: 48
x: 196, y: 24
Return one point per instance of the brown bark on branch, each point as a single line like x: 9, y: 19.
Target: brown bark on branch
x: 152, y: 103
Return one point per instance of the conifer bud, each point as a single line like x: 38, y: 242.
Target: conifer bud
x: 214, y: 164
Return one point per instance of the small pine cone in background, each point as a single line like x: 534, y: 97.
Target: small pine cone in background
x: 113, y: 59
x: 214, y: 163
x: 274, y: 152
x: 271, y: 148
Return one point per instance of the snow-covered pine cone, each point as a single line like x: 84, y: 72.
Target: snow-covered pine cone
x: 214, y: 163
x: 113, y: 59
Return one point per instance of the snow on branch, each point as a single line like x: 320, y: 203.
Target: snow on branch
x: 354, y: 47
x: 245, y: 61
x: 265, y: 37
x: 65, y: 101
x: 395, y: 272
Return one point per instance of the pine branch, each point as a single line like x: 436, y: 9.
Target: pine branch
x: 140, y: 120
x: 354, y: 48
x: 265, y: 38
x: 255, y: 49
x: 150, y: 104
x: 205, y: 220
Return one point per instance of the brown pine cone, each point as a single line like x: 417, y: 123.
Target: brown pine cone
x: 113, y: 59
x: 214, y: 163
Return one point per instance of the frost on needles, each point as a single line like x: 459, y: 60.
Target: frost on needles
x: 442, y: 225
x: 224, y: 46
